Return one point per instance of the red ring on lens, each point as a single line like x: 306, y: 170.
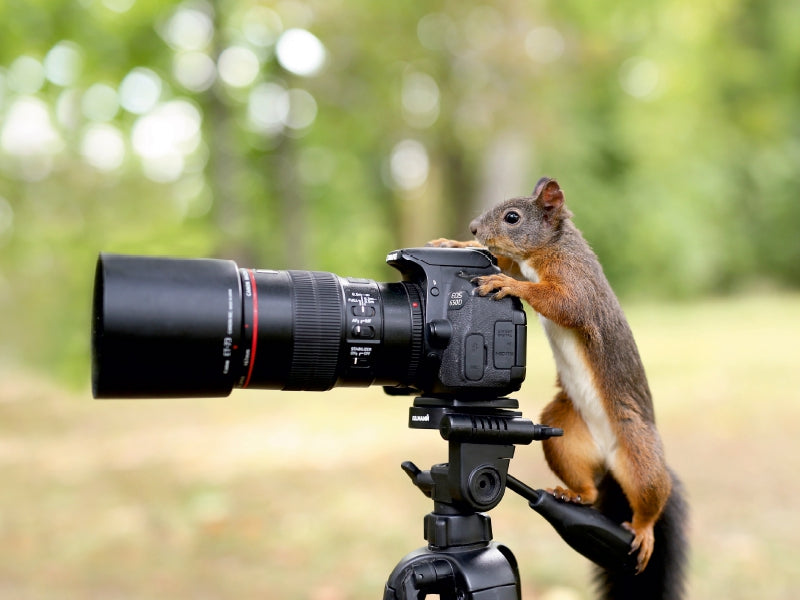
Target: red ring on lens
x: 253, y: 334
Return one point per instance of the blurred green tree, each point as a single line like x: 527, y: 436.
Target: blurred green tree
x: 311, y: 134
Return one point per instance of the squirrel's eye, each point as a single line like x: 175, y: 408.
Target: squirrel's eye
x: 511, y: 217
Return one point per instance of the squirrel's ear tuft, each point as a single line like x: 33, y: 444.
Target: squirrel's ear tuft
x: 548, y: 193
x: 537, y: 189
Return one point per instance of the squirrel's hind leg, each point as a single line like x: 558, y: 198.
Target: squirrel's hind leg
x: 573, y: 457
x: 646, y: 489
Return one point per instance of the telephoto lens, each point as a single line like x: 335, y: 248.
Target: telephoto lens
x: 166, y: 327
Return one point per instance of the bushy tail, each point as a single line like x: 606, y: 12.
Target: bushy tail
x: 664, y: 577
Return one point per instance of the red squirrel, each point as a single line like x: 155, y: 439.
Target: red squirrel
x: 604, y: 404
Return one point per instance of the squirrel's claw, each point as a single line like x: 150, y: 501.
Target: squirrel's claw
x: 643, y: 541
x: 565, y: 495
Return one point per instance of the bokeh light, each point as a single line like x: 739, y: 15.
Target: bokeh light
x: 100, y: 102
x: 261, y: 26
x: 302, y: 109
x: 544, y: 44
x: 28, y: 129
x: 238, y: 66
x: 63, y: 63
x: 140, y: 90
x: 640, y: 77
x: 268, y: 108
x: 409, y: 165
x: 103, y: 146
x: 420, y: 99
x: 194, y: 70
x: 165, y: 136
x: 25, y: 75
x: 300, y: 52
x: 189, y: 28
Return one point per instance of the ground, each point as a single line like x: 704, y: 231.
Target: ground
x: 288, y: 495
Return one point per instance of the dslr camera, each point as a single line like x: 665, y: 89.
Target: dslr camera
x: 168, y: 327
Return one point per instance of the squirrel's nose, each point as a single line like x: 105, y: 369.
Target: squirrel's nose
x: 473, y: 227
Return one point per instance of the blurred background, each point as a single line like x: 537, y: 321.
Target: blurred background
x: 320, y: 135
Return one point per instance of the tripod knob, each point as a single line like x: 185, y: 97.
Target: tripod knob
x: 485, y: 486
x: 421, y: 479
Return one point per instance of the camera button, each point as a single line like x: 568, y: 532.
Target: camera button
x: 364, y: 331
x: 439, y: 333
x: 361, y: 310
x: 361, y: 362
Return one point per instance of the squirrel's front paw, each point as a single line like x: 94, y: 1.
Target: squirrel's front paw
x: 566, y: 495
x: 502, y: 285
x: 445, y: 243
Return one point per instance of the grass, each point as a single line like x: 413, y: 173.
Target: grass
x: 300, y: 496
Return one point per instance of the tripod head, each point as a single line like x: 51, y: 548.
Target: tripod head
x: 461, y: 560
x: 481, y: 439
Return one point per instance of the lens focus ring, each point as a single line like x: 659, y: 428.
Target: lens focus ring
x: 318, y: 322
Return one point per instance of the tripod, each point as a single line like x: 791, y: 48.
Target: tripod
x: 461, y: 562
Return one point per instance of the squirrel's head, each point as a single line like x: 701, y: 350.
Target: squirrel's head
x: 518, y: 226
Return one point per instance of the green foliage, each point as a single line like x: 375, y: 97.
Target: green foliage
x: 673, y: 126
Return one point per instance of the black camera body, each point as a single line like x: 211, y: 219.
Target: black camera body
x: 199, y: 327
x: 473, y: 345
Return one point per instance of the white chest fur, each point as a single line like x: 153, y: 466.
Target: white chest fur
x: 576, y: 377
